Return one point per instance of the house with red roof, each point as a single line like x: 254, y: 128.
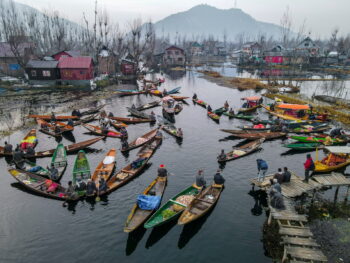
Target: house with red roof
x: 66, y: 53
x: 76, y: 70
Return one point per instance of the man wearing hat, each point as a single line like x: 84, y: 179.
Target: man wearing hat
x: 162, y: 172
x: 218, y: 178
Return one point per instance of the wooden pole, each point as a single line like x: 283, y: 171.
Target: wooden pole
x: 347, y: 195
x: 336, y: 195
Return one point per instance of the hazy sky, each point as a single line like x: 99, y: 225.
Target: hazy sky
x: 321, y: 15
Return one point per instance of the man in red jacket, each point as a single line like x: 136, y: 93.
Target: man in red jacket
x: 308, y: 166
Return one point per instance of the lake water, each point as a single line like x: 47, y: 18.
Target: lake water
x: 37, y: 229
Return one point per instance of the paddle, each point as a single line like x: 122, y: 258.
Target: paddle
x: 98, y: 199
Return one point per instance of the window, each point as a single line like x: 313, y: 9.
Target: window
x: 82, y: 72
x: 33, y: 73
x: 176, y: 52
x: 169, y: 57
x: 169, y: 52
x: 46, y: 73
x: 179, y: 59
x: 67, y: 73
x: 306, y: 44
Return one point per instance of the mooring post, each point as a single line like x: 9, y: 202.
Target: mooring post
x: 336, y: 195
x: 346, y: 195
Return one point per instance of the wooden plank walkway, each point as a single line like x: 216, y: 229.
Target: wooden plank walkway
x: 334, y: 179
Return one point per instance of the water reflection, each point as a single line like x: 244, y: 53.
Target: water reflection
x: 69, y: 136
x: 133, y: 240
x: 159, y: 232
x: 260, y: 202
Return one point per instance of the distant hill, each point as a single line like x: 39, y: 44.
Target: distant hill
x: 208, y: 20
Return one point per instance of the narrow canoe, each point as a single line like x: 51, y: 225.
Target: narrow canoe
x: 148, y: 105
x: 173, y: 91
x: 92, y: 110
x: 258, y: 135
x: 304, y: 146
x: 235, y: 131
x: 131, y: 93
x: 241, y: 151
x: 98, y: 131
x: 171, y: 209
x: 309, y: 139
x: 118, y: 124
x: 51, y: 128
x: 220, y: 111
x: 200, y: 103
x: 239, y: 116
x: 48, y: 117
x: 149, y: 136
x: 179, y: 98
x: 29, y: 140
x: 36, y: 183
x: 137, y: 215
x: 242, y: 110
x: 86, y: 119
x: 81, y: 171
x: 33, y: 168
x: 59, y: 160
x: 321, y: 167
x: 252, y: 129
x: 213, y: 116
x: 201, y: 205
x: 128, y: 172
x: 105, y: 168
x: 140, y: 114
x: 307, y: 130
x: 172, y: 130
x: 131, y: 120
x: 283, y: 116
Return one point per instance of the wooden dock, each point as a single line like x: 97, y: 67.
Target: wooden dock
x: 297, y: 238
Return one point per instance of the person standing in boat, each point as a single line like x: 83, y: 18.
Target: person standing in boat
x: 8, y: 148
x: 226, y: 105
x: 262, y: 169
x: 125, y: 144
x: 200, y: 181
x: 110, y: 115
x: 162, y: 171
x: 53, y: 117
x: 231, y: 112
x: 76, y: 113
x: 222, y: 156
x: 194, y: 97
x: 91, y: 188
x: 218, y: 178
x: 309, y: 166
x: 209, y: 109
x: 124, y: 133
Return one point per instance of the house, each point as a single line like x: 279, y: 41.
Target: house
x: 76, y: 70
x: 174, y: 56
x: 196, y: 49
x: 219, y: 49
x: 128, y: 67
x: 274, y: 55
x: 9, y: 62
x: 308, y: 45
x: 42, y: 72
x: 69, y: 53
x: 106, y: 62
x: 252, y: 48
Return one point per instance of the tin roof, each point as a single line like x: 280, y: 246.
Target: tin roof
x: 74, y: 62
x: 41, y: 64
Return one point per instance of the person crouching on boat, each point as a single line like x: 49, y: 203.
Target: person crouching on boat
x: 162, y: 171
x: 194, y: 97
x: 218, y: 178
x: 222, y: 156
x: 200, y: 181
x: 262, y: 169
x: 226, y: 105
x: 209, y: 109
x: 91, y: 188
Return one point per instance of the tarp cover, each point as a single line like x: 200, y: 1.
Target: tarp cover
x: 254, y: 98
x: 148, y: 202
x: 338, y: 149
x: 293, y: 106
x: 108, y: 160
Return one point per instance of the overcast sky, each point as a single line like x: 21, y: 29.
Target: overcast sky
x: 321, y: 16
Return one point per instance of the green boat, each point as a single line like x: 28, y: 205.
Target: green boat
x: 239, y: 116
x: 309, y: 139
x: 59, y: 160
x: 81, y: 172
x: 220, y: 110
x: 304, y: 146
x: 166, y: 212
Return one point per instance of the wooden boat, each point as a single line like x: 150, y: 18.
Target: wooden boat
x: 258, y: 135
x: 69, y: 148
x: 171, y: 209
x: 174, y: 91
x: 235, y: 131
x: 59, y: 160
x: 172, y: 130
x: 131, y: 120
x: 148, y: 105
x: 179, y: 98
x: 36, y: 183
x: 128, y: 172
x: 200, y: 103
x: 239, y: 116
x: 137, y: 215
x: 48, y: 117
x: 243, y: 150
x: 81, y: 171
x: 281, y: 115
x: 213, y: 116
x: 92, y: 110
x: 130, y: 93
x: 105, y: 168
x: 220, y: 111
x: 118, y: 124
x: 31, y: 167
x: 202, y: 204
x: 338, y: 157
x: 157, y: 93
x: 149, y: 136
x: 98, y: 131
x: 50, y: 129
x: 30, y: 140
x: 304, y: 146
x: 318, y: 138
x: 251, y: 128
x: 87, y: 119
x: 140, y: 114
x: 305, y: 129
x: 252, y: 104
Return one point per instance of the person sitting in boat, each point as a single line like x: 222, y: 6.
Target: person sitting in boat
x: 286, y: 175
x: 53, y: 172
x: 179, y: 132
x: 70, y: 123
x: 102, y: 187
x: 324, y: 116
x: 8, y: 148
x: 261, y: 100
x: 226, y: 105
x: 209, y: 109
x: 125, y: 144
x: 165, y: 92
x: 70, y: 191
x: 80, y: 185
x: 18, y: 157
x: 91, y: 188
x: 245, y: 105
x: 218, y: 178
x: 124, y: 133
x: 104, y: 130
x: 53, y: 117
x: 76, y: 113
x: 133, y: 106
x: 312, y: 116
x: 30, y: 152
x: 159, y: 134
x: 200, y: 181
x: 222, y: 156
x: 231, y: 112
x: 194, y: 97
x: 57, y: 129
x: 272, y: 107
x: 335, y: 132
x: 279, y: 176
x: 110, y: 115
x: 178, y: 106
x: 284, y: 128
x: 152, y: 115
x: 162, y: 171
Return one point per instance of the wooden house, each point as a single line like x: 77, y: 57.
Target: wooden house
x: 251, y: 48
x: 308, y: 45
x: 106, y: 62
x: 42, y: 72
x: 76, y: 70
x: 174, y: 56
x: 128, y: 67
x: 274, y: 55
x: 68, y: 53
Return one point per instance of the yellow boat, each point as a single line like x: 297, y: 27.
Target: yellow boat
x: 282, y: 108
x: 337, y: 158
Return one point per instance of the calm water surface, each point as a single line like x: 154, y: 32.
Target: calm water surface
x: 37, y: 229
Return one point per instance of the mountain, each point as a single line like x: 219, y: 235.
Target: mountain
x: 204, y: 20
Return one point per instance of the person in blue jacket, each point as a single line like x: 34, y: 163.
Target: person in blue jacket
x: 262, y: 169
